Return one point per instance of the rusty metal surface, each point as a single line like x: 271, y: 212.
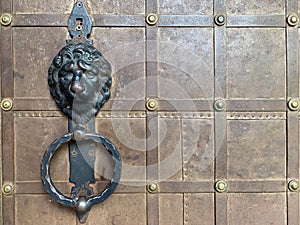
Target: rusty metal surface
x: 185, y: 62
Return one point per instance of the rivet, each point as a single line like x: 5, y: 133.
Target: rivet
x: 152, y: 187
x: 6, y: 19
x: 8, y: 189
x: 74, y: 153
x: 7, y: 104
x: 293, y: 185
x: 91, y: 153
x: 151, y: 19
x: 221, y: 186
x: 79, y: 27
x: 220, y: 20
x: 220, y: 105
x: 292, y: 20
x: 152, y: 104
x: 294, y: 104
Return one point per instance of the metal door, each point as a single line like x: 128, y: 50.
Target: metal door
x: 204, y: 111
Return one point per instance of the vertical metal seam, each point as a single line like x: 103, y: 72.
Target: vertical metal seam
x: 292, y: 122
x: 151, y: 199
x: 1, y: 177
x: 220, y: 80
x: 6, y: 6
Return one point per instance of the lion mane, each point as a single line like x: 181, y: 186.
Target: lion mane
x: 95, y: 77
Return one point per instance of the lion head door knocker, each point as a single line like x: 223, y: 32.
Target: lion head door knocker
x: 80, y: 81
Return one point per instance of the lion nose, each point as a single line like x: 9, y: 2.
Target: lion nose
x: 77, y: 87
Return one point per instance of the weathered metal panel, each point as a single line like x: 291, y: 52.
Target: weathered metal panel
x: 186, y: 62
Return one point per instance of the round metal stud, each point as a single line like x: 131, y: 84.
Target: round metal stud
x: 292, y: 20
x: 8, y: 189
x: 6, y: 19
x: 220, y: 20
x: 220, y: 105
x: 79, y: 27
x: 152, y: 187
x: 7, y: 104
x: 293, y: 185
x: 82, y: 205
x: 152, y: 105
x: 221, y: 186
x: 151, y: 19
x: 294, y: 104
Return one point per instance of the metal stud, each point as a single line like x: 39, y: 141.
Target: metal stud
x: 220, y: 20
x: 152, y: 187
x: 220, y: 105
x: 294, y: 104
x: 293, y: 185
x: 8, y: 189
x: 82, y: 205
x: 6, y: 19
x: 151, y: 19
x: 221, y: 186
x: 7, y: 104
x: 292, y: 20
x: 152, y: 105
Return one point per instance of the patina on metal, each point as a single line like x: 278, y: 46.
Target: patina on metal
x: 80, y: 80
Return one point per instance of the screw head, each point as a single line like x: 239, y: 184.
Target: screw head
x: 6, y: 104
x: 152, y: 187
x: 294, y: 104
x: 220, y: 20
x: 8, y: 189
x: 6, y: 19
x: 221, y: 186
x: 220, y: 105
x: 293, y: 185
x: 152, y: 104
x: 292, y: 20
x: 151, y: 19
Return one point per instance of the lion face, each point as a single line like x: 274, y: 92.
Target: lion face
x: 79, y: 80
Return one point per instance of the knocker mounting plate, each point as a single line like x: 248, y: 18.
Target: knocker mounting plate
x: 80, y: 79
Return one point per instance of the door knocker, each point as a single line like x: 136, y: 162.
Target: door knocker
x: 80, y: 79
